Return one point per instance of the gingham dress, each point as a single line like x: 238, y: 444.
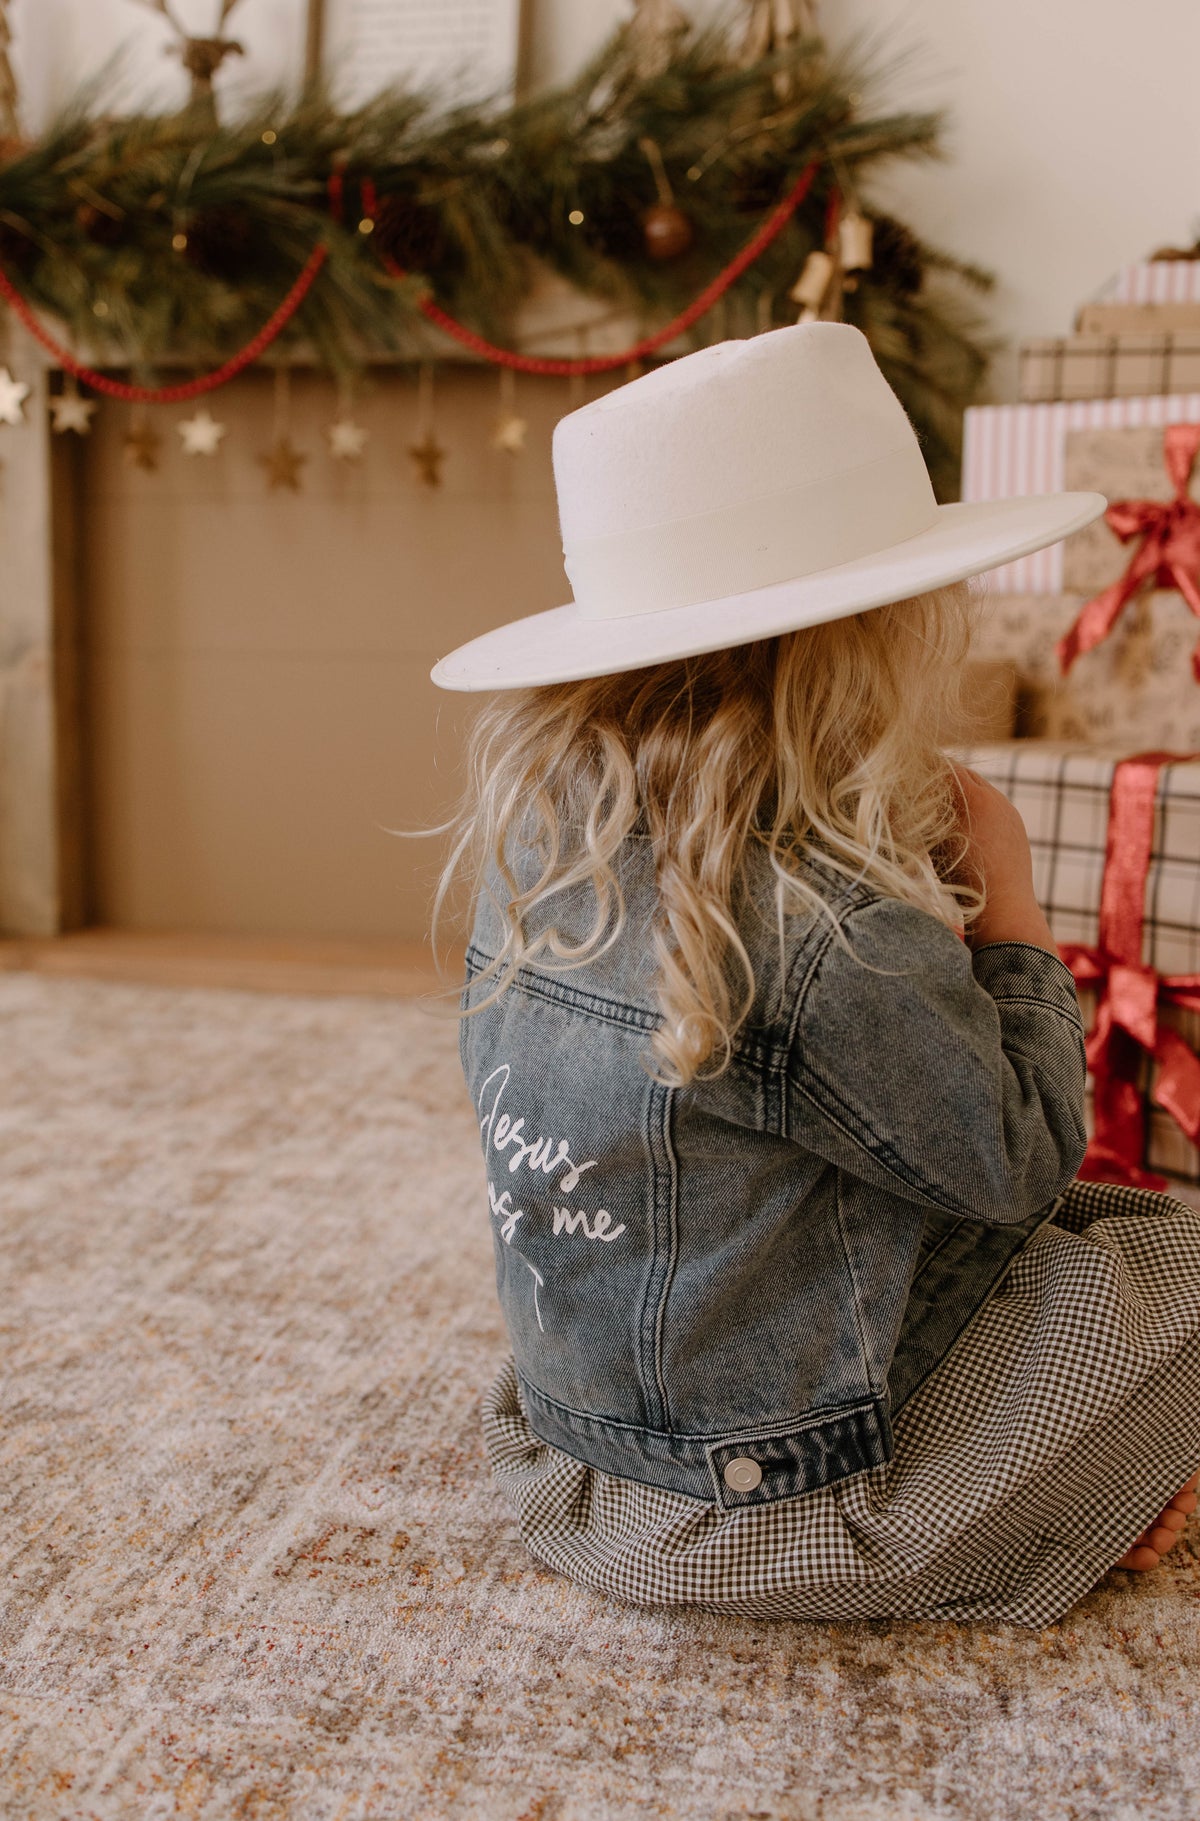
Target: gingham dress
x: 1064, y: 1417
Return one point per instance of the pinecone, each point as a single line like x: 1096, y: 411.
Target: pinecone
x: 220, y: 243
x: 101, y: 226
x: 896, y: 256
x: 409, y: 232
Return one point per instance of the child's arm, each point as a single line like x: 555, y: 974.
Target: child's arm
x: 950, y: 1078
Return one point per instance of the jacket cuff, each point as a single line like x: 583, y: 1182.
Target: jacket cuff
x: 1022, y: 970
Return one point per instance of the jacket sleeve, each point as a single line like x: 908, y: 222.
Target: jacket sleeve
x: 954, y: 1080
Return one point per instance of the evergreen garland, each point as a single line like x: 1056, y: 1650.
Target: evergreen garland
x: 148, y: 236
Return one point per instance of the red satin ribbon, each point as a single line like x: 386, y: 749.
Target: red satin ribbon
x: 1168, y: 555
x: 1131, y: 993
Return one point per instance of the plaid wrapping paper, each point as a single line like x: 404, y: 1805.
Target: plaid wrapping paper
x: 1062, y: 793
x: 1011, y: 451
x: 1123, y: 364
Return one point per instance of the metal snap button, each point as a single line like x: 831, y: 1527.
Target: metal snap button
x: 743, y: 1474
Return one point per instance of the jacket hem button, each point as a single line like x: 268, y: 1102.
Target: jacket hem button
x: 742, y: 1474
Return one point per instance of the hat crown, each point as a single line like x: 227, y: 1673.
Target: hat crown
x: 734, y: 467
x: 725, y: 423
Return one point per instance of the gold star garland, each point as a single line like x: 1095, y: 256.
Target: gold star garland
x: 283, y: 463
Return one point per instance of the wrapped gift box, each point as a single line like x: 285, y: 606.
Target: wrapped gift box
x: 1063, y: 795
x: 1016, y: 450
x: 1151, y: 712
x: 1136, y: 690
x: 1138, y: 319
x: 1120, y: 365
x: 1122, y: 464
x: 1156, y: 281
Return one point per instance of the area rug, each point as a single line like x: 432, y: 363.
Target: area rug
x: 253, y: 1564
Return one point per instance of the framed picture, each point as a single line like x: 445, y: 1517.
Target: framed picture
x: 471, y: 47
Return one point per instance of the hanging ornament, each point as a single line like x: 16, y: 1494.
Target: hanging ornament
x: 282, y: 462
x: 818, y: 290
x: 855, y: 235
x: 666, y: 230
x: 13, y: 393
x: 774, y: 26
x: 142, y: 443
x: 201, y: 57
x: 652, y: 36
x: 855, y: 239
x: 810, y: 289
x: 427, y: 453
x: 346, y: 439
x: 201, y: 434
x: 509, y: 430
x: 70, y: 410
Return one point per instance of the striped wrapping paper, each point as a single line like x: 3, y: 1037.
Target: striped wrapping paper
x: 1013, y: 450
x: 1157, y: 281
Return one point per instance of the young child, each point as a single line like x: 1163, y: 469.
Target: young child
x: 780, y: 1079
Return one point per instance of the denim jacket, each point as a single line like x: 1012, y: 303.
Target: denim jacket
x: 704, y: 1287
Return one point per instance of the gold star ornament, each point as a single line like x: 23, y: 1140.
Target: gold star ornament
x: 282, y: 464
x: 70, y: 410
x: 13, y: 393
x: 509, y: 432
x: 347, y: 440
x: 428, y: 455
x: 142, y: 445
x: 201, y: 434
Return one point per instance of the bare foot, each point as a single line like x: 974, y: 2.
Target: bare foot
x: 1163, y: 1534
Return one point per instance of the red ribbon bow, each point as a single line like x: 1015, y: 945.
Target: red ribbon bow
x: 1168, y: 555
x: 1131, y: 993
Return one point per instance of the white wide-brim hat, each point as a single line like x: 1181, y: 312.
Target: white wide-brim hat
x: 751, y: 488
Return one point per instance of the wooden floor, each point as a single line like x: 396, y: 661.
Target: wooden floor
x: 260, y: 964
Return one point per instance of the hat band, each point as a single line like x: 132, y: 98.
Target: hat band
x: 748, y: 544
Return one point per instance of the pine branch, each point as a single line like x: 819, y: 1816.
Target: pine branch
x: 172, y: 234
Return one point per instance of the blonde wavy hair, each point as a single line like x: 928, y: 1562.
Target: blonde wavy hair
x: 828, y: 734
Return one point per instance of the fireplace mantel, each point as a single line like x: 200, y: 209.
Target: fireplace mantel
x: 42, y: 786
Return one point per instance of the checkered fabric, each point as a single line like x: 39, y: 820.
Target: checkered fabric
x: 1062, y: 793
x: 1052, y: 1433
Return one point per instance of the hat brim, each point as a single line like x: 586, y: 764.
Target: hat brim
x: 966, y: 538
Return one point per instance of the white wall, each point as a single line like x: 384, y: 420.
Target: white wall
x: 1074, y: 145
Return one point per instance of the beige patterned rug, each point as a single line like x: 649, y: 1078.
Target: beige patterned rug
x: 254, y: 1568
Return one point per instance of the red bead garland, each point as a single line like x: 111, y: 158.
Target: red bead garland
x: 771, y: 228
x: 194, y: 388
